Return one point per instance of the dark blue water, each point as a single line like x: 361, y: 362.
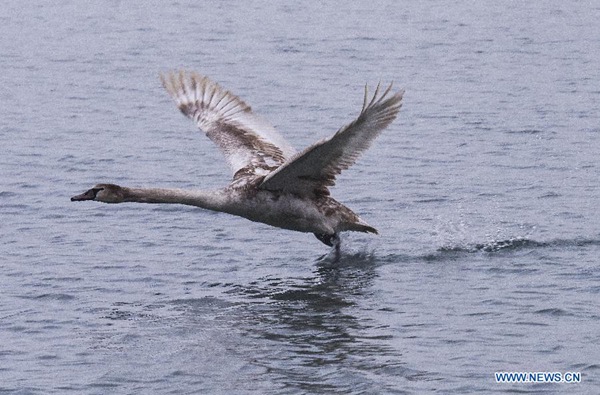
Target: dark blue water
x: 485, y: 191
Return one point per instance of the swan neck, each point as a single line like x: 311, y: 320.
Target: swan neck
x: 211, y: 200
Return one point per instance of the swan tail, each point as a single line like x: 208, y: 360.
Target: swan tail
x: 363, y: 227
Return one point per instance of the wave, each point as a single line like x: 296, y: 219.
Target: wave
x: 362, y: 259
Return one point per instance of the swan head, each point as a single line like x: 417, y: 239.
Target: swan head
x: 106, y: 193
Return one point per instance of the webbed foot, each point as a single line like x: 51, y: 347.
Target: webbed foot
x: 334, y: 241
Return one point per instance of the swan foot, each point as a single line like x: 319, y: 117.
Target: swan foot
x: 332, y: 241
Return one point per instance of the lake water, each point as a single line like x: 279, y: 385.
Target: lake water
x: 485, y: 191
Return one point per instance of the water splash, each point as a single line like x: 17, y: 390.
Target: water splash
x: 495, y: 245
x: 519, y: 243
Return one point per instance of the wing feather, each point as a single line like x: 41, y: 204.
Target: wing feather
x: 251, y: 145
x: 313, y: 170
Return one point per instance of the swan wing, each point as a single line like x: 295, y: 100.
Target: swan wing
x: 250, y: 144
x: 312, y: 171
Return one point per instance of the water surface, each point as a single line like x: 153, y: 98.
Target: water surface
x: 485, y: 192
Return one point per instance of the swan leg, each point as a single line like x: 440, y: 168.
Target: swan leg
x: 326, y: 239
x: 337, y: 244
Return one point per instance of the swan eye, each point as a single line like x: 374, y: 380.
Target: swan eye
x: 95, y: 191
x: 90, y: 194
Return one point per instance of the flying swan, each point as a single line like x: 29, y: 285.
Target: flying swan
x: 272, y: 183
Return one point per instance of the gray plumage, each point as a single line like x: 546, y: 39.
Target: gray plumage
x: 272, y: 183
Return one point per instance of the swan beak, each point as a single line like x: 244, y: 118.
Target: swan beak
x: 88, y: 195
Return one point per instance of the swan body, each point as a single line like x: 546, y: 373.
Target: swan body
x: 272, y: 183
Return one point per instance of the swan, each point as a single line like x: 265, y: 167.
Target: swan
x: 272, y: 183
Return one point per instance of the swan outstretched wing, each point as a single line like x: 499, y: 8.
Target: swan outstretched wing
x: 312, y: 171
x: 250, y: 144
